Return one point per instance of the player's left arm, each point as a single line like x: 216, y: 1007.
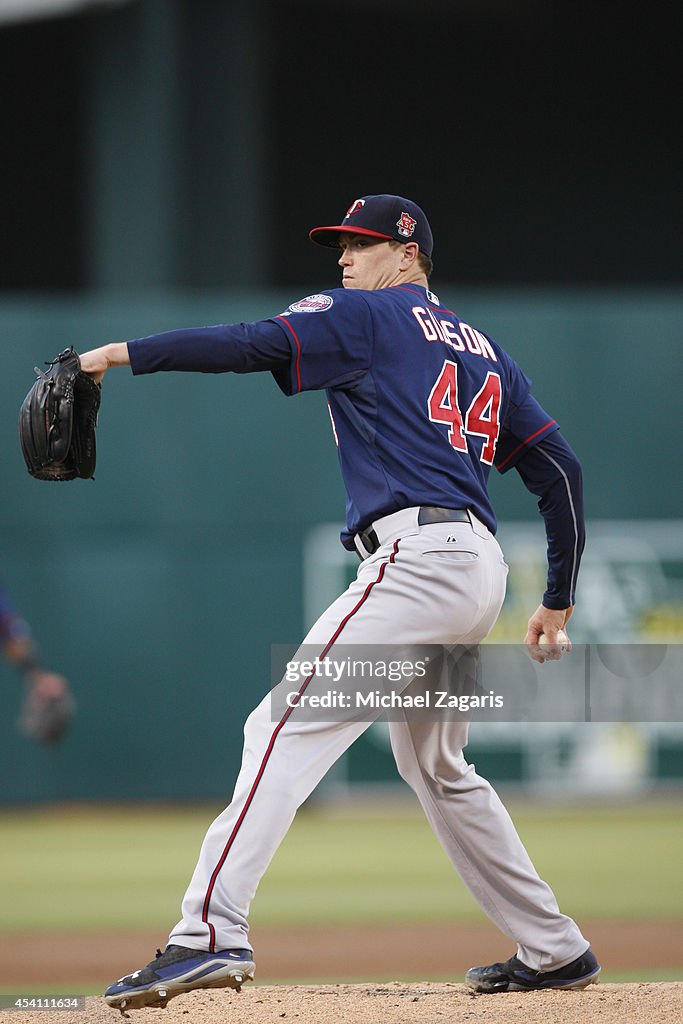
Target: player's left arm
x: 223, y: 348
x: 319, y: 342
x: 98, y: 360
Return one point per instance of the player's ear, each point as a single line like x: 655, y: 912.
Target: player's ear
x: 411, y: 251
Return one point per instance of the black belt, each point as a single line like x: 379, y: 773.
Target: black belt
x: 427, y: 516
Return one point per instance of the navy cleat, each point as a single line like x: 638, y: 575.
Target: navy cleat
x: 178, y: 970
x: 514, y: 976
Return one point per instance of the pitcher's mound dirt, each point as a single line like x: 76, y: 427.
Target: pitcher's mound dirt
x: 396, y: 1003
x: 32, y: 962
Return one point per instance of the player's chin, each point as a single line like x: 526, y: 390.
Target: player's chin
x: 348, y: 282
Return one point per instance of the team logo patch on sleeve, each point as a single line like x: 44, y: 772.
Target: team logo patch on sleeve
x: 312, y: 304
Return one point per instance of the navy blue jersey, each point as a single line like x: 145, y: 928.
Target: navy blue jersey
x: 422, y: 406
x: 422, y: 403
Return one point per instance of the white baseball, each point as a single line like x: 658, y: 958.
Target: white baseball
x: 562, y: 640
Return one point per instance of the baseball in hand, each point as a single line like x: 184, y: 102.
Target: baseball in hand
x: 562, y: 640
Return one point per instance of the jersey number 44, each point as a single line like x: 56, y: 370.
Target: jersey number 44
x: 481, y: 418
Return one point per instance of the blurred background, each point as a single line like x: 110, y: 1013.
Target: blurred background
x: 162, y: 162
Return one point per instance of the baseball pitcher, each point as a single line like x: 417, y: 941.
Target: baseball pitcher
x: 422, y: 406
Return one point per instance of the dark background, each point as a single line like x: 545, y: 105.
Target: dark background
x: 543, y: 140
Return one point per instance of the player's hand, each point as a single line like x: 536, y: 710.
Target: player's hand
x: 546, y: 622
x: 97, y: 361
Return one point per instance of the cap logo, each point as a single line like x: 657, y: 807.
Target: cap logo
x: 406, y: 225
x: 355, y: 206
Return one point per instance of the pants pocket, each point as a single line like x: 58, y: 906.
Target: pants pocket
x: 448, y: 555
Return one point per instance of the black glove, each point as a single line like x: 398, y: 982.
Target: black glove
x: 57, y: 421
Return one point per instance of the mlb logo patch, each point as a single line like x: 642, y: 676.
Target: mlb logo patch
x: 406, y: 225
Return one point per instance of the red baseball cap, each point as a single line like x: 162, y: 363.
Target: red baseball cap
x: 390, y: 217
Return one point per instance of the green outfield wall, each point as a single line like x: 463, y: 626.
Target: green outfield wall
x: 159, y: 587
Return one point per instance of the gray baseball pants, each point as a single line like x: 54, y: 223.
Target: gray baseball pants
x: 437, y: 584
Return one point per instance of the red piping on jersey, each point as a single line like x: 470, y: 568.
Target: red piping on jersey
x: 298, y: 351
x: 271, y: 744
x: 524, y: 444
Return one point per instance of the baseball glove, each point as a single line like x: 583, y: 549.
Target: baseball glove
x: 48, y: 707
x: 57, y: 421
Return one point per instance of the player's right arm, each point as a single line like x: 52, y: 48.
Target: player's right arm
x: 532, y: 443
x: 551, y: 470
